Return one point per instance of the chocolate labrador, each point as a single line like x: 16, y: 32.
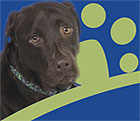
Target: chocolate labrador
x: 39, y: 59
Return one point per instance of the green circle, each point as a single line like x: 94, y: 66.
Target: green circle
x: 123, y: 31
x: 93, y: 15
x: 129, y: 62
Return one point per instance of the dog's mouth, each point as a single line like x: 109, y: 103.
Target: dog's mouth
x: 67, y: 79
x: 66, y: 83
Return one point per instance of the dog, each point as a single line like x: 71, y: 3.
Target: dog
x: 39, y: 58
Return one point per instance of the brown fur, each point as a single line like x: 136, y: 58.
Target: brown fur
x: 38, y: 63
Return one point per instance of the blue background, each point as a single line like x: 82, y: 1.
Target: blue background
x: 120, y: 104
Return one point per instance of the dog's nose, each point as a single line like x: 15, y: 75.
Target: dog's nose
x: 64, y: 64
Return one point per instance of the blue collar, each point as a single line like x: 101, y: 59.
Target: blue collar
x: 30, y: 85
x: 33, y: 86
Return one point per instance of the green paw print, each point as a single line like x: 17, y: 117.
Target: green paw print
x: 94, y: 75
x: 122, y: 32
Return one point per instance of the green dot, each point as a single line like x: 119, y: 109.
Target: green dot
x: 123, y: 31
x: 93, y: 15
x: 129, y: 62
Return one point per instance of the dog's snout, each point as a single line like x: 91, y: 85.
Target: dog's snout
x: 63, y: 64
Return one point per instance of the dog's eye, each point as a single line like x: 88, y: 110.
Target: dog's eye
x: 66, y: 31
x: 35, y: 39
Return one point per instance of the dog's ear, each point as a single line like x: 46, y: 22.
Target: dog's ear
x: 69, y: 4
x: 9, y: 31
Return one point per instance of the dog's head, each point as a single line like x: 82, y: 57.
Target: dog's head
x: 46, y: 38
